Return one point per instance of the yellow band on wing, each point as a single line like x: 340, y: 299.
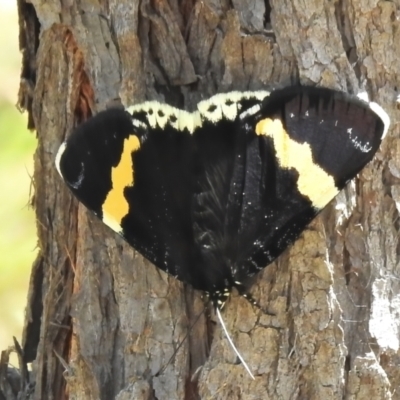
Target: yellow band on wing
x: 115, y: 206
x: 313, y: 181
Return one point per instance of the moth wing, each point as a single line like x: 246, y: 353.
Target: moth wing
x: 158, y: 222
x: 138, y: 181
x: 302, y: 147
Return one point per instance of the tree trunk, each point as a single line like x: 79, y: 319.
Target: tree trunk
x: 102, y: 322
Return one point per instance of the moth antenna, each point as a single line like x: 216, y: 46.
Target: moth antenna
x: 180, y: 344
x: 231, y: 343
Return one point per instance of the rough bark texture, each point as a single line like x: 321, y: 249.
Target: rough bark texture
x: 102, y: 322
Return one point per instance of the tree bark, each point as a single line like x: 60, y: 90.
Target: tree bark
x: 102, y: 322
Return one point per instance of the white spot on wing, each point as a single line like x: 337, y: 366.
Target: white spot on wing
x: 251, y: 111
x: 59, y: 154
x: 357, y: 143
x: 138, y: 124
x: 378, y: 110
x: 383, y: 115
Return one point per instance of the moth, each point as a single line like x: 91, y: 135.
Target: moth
x: 215, y: 195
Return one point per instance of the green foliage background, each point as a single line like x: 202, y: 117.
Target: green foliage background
x: 17, y: 222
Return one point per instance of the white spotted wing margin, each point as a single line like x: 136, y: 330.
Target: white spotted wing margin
x: 220, y: 107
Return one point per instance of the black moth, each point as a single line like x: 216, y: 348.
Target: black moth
x: 214, y: 196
